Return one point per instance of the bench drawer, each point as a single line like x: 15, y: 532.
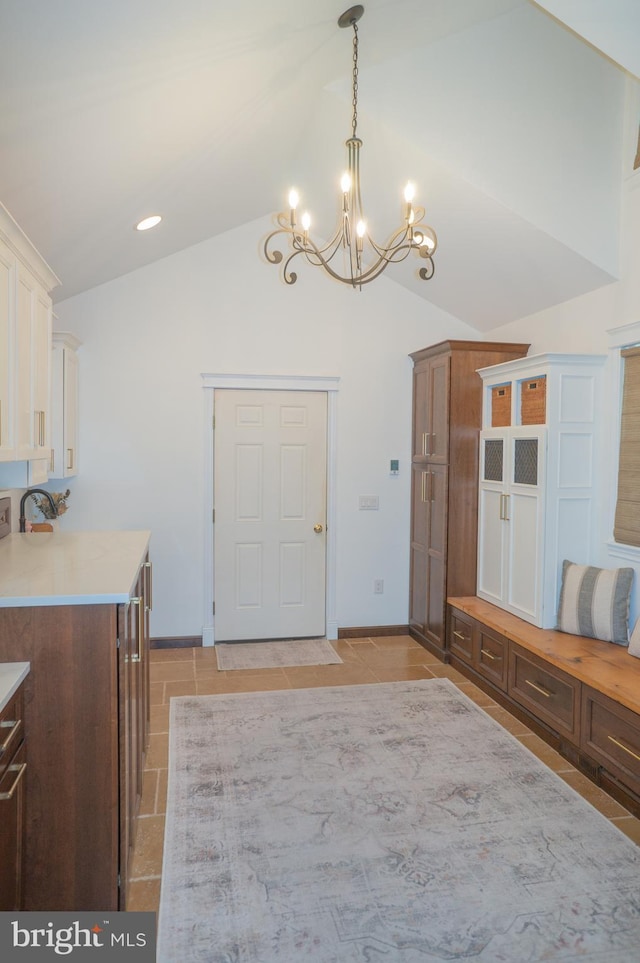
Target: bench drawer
x: 547, y: 692
x: 461, y: 636
x: 493, y: 657
x: 611, y: 736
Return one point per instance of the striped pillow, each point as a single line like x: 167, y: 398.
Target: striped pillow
x: 595, y: 602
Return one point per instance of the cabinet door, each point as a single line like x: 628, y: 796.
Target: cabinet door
x: 419, y: 543
x: 125, y: 749
x: 492, y: 533
x: 436, y: 554
x: 420, y: 410
x: 12, y: 813
x: 431, y: 409
x: 524, y: 523
x: 70, y: 413
x: 7, y: 288
x: 428, y: 552
x: 32, y: 367
x: 438, y: 410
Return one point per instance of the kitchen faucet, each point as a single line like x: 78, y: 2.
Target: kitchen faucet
x: 34, y: 491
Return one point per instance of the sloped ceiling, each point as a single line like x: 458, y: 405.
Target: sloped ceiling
x: 509, y: 123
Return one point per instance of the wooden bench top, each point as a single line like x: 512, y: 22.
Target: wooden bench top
x: 604, y: 666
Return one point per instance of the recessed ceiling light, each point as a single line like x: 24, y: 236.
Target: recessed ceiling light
x: 148, y: 222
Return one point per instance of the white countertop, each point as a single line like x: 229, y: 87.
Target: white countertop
x: 11, y: 675
x: 69, y: 568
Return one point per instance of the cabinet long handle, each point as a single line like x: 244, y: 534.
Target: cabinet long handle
x: 138, y: 603
x: 19, y: 769
x: 489, y: 655
x: 69, y: 459
x: 621, y: 745
x: 14, y: 726
x: 460, y: 635
x: 539, y: 689
x: 425, y: 442
x: 423, y: 486
x: 149, y: 568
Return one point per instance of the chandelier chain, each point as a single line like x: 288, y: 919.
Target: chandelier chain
x: 354, y: 102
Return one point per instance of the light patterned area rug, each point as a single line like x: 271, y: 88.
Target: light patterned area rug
x: 275, y: 655
x: 391, y: 823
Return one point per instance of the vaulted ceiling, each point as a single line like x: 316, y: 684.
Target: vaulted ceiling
x: 507, y: 114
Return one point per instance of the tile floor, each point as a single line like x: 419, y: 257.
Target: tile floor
x: 176, y: 672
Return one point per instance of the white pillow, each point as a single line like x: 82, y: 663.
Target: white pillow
x: 595, y: 602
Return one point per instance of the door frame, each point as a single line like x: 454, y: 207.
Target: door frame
x: 250, y: 382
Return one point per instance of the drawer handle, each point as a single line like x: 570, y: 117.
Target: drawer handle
x: 14, y: 727
x: 621, y: 745
x: 19, y: 769
x: 460, y: 635
x: 489, y: 655
x: 539, y: 689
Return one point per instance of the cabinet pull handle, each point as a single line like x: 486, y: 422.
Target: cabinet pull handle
x: 460, y: 635
x: 423, y: 486
x: 489, y: 655
x: 138, y: 603
x: 69, y: 459
x: 43, y: 427
x: 149, y: 568
x: 502, y: 518
x: 539, y: 689
x: 14, y: 726
x: 621, y: 745
x: 425, y: 442
x: 19, y: 769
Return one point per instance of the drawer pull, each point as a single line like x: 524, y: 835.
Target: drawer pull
x: 14, y: 727
x: 19, y: 769
x: 460, y: 635
x: 621, y: 745
x: 539, y: 689
x: 489, y: 655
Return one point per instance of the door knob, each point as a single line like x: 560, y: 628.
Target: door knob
x: 317, y: 528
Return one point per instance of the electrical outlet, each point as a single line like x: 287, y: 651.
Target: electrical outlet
x: 378, y: 586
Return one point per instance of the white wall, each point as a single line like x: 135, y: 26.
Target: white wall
x: 217, y: 307
x: 586, y: 325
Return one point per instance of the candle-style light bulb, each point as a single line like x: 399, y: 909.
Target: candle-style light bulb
x: 293, y: 198
x: 409, y: 194
x: 306, y: 221
x: 345, y: 182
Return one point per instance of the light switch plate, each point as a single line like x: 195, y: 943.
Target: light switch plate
x: 368, y: 503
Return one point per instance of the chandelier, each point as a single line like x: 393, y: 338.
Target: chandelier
x: 362, y: 259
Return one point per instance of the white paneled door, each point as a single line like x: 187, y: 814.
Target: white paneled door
x: 270, y: 485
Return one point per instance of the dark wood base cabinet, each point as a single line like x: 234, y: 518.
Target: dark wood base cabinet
x: 560, y: 686
x: 86, y: 705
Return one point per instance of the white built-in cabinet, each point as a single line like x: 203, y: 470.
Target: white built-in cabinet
x: 64, y: 405
x: 538, y: 480
x: 25, y: 350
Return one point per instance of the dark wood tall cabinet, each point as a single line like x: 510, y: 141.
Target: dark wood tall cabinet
x: 447, y: 417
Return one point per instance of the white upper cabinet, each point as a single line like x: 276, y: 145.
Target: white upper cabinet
x: 64, y: 405
x: 537, y: 497
x: 25, y: 347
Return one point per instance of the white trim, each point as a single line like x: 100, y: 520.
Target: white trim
x: 329, y: 384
